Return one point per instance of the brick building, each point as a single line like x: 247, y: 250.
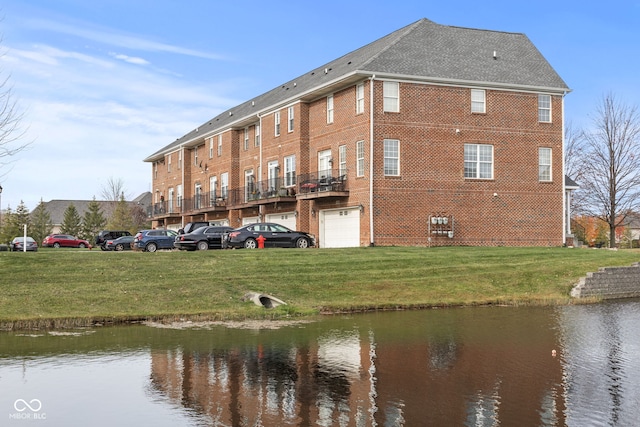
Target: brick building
x: 431, y: 135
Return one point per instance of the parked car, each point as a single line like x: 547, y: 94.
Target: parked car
x: 64, y: 241
x: 152, y: 240
x: 202, y: 239
x: 276, y: 235
x: 120, y: 244
x: 190, y: 227
x: 105, y: 235
x: 17, y: 244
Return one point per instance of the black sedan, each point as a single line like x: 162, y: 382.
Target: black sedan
x: 120, y: 244
x: 202, y: 239
x: 17, y: 244
x: 274, y: 235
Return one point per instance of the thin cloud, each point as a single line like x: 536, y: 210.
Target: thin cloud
x: 111, y: 37
x: 130, y: 59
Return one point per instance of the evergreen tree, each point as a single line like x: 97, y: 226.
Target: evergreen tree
x: 41, y: 224
x: 71, y: 222
x: 121, y: 218
x: 14, y: 222
x: 93, y: 221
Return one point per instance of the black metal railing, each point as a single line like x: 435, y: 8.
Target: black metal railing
x: 327, y: 180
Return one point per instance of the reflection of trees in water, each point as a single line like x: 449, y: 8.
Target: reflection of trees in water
x: 442, y: 354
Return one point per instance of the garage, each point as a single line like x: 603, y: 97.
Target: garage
x: 250, y: 220
x: 340, y: 228
x: 288, y: 219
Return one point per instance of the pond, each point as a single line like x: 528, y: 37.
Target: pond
x: 488, y: 366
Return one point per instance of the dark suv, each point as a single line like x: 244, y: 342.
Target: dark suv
x: 104, y: 235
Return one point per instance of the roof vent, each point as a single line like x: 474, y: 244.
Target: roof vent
x: 495, y: 54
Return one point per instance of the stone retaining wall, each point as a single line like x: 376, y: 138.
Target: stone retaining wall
x: 610, y: 283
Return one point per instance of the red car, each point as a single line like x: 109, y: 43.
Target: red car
x: 64, y: 241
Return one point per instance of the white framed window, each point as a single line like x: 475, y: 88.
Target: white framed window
x: 169, y: 163
x: 195, y: 156
x: 213, y: 186
x: 170, y: 201
x: 179, y: 159
x: 391, y: 97
x: 478, y: 161
x: 360, y: 98
x: 250, y: 189
x: 360, y: 158
x: 197, y: 199
x: 290, y: 117
x: 211, y: 148
x: 544, y: 164
x: 290, y: 170
x: 342, y: 160
x: 544, y: 108
x: 219, y: 145
x: 478, y: 101
x: 391, y: 157
x: 246, y: 138
x: 276, y: 120
x: 224, y: 185
x: 330, y: 109
x: 273, y: 167
x: 257, y: 141
x: 179, y: 195
x: 155, y: 170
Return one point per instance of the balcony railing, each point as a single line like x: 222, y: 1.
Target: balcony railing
x: 318, y: 184
x: 322, y: 181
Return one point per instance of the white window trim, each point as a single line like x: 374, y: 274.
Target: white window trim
x: 290, y: 170
x: 290, y: 119
x: 342, y: 160
x: 246, y: 138
x: 211, y: 148
x: 329, y: 109
x: 385, y: 157
x: 395, y: 108
x: 360, y: 98
x: 548, y: 109
x: 475, y: 101
x: 276, y: 123
x: 257, y: 140
x: 360, y: 158
x: 541, y: 165
x: 219, y: 145
x: 478, y: 161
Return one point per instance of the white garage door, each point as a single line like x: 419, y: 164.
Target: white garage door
x: 340, y: 228
x: 250, y: 220
x: 288, y: 219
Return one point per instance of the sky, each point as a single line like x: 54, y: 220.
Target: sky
x: 102, y: 85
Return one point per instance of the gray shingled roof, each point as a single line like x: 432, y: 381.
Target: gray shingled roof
x: 56, y: 208
x: 423, y: 51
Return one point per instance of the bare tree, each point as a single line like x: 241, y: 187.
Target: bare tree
x: 11, y: 131
x: 574, y: 165
x: 611, y: 178
x: 113, y: 190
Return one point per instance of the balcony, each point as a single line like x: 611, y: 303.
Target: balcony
x: 328, y: 183
x: 263, y: 192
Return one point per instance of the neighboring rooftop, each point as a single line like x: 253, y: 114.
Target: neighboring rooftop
x: 422, y: 51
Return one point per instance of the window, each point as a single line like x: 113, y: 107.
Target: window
x: 360, y: 98
x: 478, y: 161
x: 155, y: 170
x: 330, y: 109
x: 273, y: 168
x: 276, y: 119
x: 246, y: 139
x: 213, y: 184
x: 478, y: 101
x: 169, y: 163
x: 211, y: 148
x: 342, y: 160
x: 195, y: 156
x: 544, y: 108
x: 391, y: 157
x: 219, y: 145
x: 290, y: 171
x: 544, y: 164
x: 198, y: 196
x: 360, y: 158
x: 257, y: 141
x: 224, y: 185
x: 391, y: 95
x: 179, y: 191
x: 179, y: 159
x: 290, y: 119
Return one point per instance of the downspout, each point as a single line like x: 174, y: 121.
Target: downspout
x: 183, y: 166
x: 565, y: 205
x: 371, y: 238
x: 260, y: 207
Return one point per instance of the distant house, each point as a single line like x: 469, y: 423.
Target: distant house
x: 432, y: 135
x: 56, y: 208
x: 630, y: 229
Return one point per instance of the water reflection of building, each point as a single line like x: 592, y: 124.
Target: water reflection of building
x: 350, y: 379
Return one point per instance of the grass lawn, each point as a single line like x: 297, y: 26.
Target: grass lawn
x: 69, y: 287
